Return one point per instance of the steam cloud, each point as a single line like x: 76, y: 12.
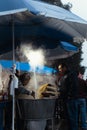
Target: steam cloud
x: 34, y: 57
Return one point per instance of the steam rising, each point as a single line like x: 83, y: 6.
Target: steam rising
x: 34, y: 57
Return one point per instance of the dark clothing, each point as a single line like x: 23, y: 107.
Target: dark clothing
x: 75, y: 113
x: 69, y: 85
x: 82, y: 91
x: 73, y: 87
x: 21, y: 90
x: 73, y: 90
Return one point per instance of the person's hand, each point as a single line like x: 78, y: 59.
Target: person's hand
x: 45, y: 94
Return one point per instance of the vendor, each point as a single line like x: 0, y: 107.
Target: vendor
x: 22, y: 91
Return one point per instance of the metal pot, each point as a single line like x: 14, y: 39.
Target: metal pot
x: 36, y: 109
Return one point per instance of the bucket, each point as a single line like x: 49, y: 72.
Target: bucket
x: 36, y: 109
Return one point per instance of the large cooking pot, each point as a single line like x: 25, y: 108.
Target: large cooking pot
x: 36, y: 109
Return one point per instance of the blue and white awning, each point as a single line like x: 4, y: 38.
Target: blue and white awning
x: 48, y: 10
x: 11, y: 7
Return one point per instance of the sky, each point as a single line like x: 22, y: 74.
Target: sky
x: 79, y: 7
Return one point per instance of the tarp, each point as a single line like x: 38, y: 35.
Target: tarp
x: 38, y: 31
x: 25, y: 66
x: 28, y: 27
x: 11, y: 7
x: 68, y: 47
x: 63, y: 50
x: 53, y: 11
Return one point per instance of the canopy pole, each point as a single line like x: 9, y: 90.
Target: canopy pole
x: 13, y: 96
x: 13, y: 44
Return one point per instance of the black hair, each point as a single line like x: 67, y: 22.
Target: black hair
x: 24, y: 76
x: 17, y: 73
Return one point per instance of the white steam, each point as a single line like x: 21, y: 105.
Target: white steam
x: 36, y: 58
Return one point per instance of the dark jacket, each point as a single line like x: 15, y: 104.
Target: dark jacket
x: 82, y: 90
x: 72, y: 86
x: 69, y: 88
x: 21, y: 90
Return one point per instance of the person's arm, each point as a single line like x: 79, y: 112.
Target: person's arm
x: 22, y: 90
